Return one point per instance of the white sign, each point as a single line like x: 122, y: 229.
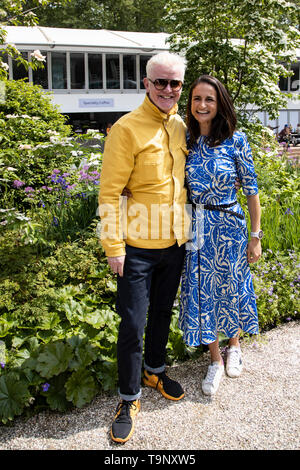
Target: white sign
x: 96, y: 103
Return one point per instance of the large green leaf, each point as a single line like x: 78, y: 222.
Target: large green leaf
x: 54, y: 359
x: 84, y: 352
x: 5, y: 326
x: 107, y: 373
x: 81, y: 388
x: 49, y: 321
x: 14, y: 396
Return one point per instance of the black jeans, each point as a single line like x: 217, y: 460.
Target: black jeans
x: 149, y: 284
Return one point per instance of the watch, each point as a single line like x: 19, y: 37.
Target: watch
x: 258, y: 235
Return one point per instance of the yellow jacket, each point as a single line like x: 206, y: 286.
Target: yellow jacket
x: 144, y: 151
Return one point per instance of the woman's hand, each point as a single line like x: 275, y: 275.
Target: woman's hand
x: 237, y: 184
x: 253, y: 250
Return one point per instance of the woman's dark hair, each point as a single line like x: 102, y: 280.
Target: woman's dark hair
x: 223, y: 124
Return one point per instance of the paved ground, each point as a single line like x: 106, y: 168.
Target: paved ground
x: 259, y: 410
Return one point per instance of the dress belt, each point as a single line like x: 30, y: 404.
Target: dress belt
x: 220, y: 208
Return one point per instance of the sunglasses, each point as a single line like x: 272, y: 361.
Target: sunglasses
x: 162, y: 83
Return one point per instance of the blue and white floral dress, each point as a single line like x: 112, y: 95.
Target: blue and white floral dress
x: 217, y: 292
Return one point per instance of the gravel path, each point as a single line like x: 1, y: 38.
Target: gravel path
x: 259, y: 410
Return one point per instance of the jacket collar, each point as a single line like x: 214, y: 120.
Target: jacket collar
x: 150, y: 107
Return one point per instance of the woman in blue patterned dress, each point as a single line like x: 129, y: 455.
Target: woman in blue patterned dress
x: 217, y: 292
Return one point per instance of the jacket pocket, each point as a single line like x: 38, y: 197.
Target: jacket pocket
x: 150, y: 168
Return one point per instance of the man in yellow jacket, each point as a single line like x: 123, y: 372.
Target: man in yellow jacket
x: 144, y: 236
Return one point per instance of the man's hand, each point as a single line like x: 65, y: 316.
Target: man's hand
x: 116, y: 264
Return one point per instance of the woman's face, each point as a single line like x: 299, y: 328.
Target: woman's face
x: 204, y: 105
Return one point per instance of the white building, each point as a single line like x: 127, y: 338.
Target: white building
x: 97, y: 75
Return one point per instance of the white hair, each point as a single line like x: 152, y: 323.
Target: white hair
x: 166, y: 58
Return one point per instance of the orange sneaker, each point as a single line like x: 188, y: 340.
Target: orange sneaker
x: 123, y: 425
x: 167, y: 387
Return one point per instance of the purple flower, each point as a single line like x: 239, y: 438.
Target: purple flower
x: 29, y: 189
x: 55, y: 171
x: 55, y: 221
x: 83, y: 176
x: 288, y: 211
x: 71, y: 186
x: 18, y: 184
x: 45, y: 387
x: 2, y: 365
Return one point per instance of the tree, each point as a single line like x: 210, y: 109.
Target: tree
x: 71, y: 14
x: 124, y: 15
x: 19, y: 12
x: 244, y: 43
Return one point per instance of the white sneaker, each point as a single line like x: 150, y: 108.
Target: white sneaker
x: 213, y: 378
x: 234, y: 365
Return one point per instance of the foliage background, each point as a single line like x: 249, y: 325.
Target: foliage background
x: 58, y: 325
x: 247, y: 45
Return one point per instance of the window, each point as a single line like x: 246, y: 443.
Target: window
x: 77, y: 71
x: 291, y: 83
x: 95, y: 71
x: 19, y: 71
x: 112, y: 71
x: 143, y: 61
x: 59, y: 70
x: 295, y: 83
x: 294, y: 119
x: 40, y: 75
x: 129, y: 71
x: 282, y: 120
x: 283, y: 83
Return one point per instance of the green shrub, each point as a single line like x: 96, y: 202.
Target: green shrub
x: 58, y: 325
x: 277, y: 283
x: 34, y: 141
x: 28, y: 116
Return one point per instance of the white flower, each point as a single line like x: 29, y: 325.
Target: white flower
x: 4, y: 65
x: 24, y: 146
x: 50, y: 131
x: 10, y: 168
x: 38, y: 56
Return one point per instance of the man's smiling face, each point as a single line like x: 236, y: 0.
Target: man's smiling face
x: 164, y: 99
